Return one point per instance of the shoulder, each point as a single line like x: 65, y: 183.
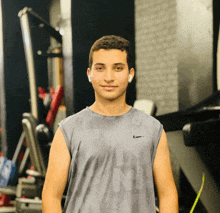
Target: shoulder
x: 71, y: 124
x: 75, y: 118
x: 145, y: 119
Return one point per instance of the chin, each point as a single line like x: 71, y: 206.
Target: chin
x: 110, y: 96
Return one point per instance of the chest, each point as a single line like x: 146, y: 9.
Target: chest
x: 121, y: 144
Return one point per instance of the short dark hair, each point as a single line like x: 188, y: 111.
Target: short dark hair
x: 111, y: 42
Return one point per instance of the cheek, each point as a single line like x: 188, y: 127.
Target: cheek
x: 122, y: 76
x: 98, y: 75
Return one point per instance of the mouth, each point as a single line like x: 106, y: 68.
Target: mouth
x: 108, y: 87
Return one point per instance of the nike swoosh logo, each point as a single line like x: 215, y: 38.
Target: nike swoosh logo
x: 134, y: 136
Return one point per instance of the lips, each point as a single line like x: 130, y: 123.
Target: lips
x: 109, y: 87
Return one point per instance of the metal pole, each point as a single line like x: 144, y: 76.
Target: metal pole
x: 2, y: 89
x: 28, y: 48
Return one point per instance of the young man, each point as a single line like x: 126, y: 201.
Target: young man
x: 109, y: 153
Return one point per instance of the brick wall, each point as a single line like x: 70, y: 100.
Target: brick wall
x: 156, y: 53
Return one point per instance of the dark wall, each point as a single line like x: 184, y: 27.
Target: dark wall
x: 14, y: 79
x: 90, y: 21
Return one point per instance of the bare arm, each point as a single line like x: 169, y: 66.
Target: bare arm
x: 163, y: 177
x: 57, y: 174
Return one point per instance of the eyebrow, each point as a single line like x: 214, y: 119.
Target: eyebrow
x: 99, y: 64
x: 114, y: 64
x: 119, y: 64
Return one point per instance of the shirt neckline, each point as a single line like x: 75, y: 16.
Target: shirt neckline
x: 110, y: 116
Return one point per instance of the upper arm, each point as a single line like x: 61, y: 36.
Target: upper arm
x: 58, y: 167
x: 162, y: 170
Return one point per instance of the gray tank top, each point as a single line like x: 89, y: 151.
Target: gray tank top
x: 111, y: 162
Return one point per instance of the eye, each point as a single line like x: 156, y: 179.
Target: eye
x: 99, y: 68
x: 119, y: 68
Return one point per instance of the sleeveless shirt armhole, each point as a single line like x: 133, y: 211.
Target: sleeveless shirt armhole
x: 65, y: 137
x: 157, y: 140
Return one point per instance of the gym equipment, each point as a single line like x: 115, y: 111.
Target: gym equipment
x: 39, y: 138
x: 28, y: 205
x: 8, y: 167
x: 147, y: 106
x: 2, y: 163
x: 56, y: 100
x: 32, y: 186
x: 25, y: 16
x: 200, y: 191
x: 200, y: 112
x: 29, y: 124
x: 8, y: 209
x: 46, y: 97
x: 195, y: 134
x: 193, y: 138
x: 37, y: 128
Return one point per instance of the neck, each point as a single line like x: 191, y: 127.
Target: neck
x: 110, y: 108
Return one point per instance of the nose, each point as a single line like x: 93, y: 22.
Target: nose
x: 109, y: 75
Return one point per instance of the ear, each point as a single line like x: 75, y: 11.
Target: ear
x: 89, y: 75
x: 89, y: 72
x: 132, y: 72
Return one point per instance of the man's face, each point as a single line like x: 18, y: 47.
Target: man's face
x: 110, y: 74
